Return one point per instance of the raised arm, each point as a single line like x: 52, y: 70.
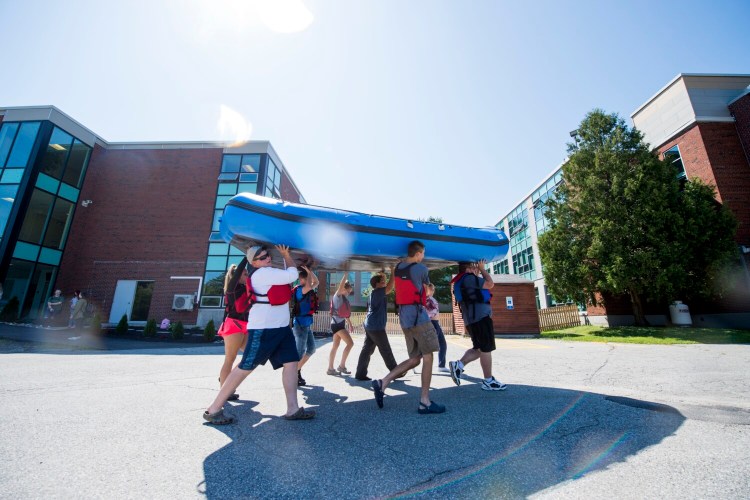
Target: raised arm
x: 340, y: 289
x: 391, y: 280
x: 236, y: 275
x: 312, y: 280
x: 488, y: 283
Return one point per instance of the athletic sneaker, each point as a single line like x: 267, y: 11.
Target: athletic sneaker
x: 493, y: 385
x: 455, y: 372
x: 443, y: 369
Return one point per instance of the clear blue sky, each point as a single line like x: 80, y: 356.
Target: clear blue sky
x: 454, y: 109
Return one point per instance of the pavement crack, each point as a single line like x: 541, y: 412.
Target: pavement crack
x: 606, y: 360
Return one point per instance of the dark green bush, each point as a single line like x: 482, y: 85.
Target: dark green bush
x: 122, y: 326
x: 178, y: 330
x: 150, y: 329
x: 10, y: 311
x: 209, y: 333
x: 96, y: 324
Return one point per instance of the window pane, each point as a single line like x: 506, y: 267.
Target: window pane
x: 248, y: 177
x: 248, y: 188
x: 17, y: 280
x: 216, y: 264
x: 12, y: 175
x: 142, y: 302
x: 19, y: 155
x: 213, y: 283
x: 56, y: 155
x: 221, y: 201
x: 230, y: 189
x: 218, y: 249
x: 7, y: 197
x: 77, y: 161
x: 39, y: 289
x: 59, y: 223
x: 227, y: 177
x: 217, y: 216
x: 36, y: 217
x: 7, y: 133
x: 230, y: 163
x: 250, y: 163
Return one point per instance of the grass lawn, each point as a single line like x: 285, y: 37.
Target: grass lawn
x: 651, y: 335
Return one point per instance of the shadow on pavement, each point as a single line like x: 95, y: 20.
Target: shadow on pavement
x: 488, y: 444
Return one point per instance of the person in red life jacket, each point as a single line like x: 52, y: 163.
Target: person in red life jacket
x: 375, y: 322
x: 269, y: 336
x: 233, y: 329
x: 305, y: 300
x: 433, y: 311
x: 421, y: 338
x: 471, y: 288
x: 341, y: 312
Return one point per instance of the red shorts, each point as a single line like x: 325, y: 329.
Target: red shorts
x: 232, y: 326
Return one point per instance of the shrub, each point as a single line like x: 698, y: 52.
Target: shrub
x: 209, y: 333
x: 178, y: 330
x: 122, y: 326
x: 150, y: 329
x: 10, y: 311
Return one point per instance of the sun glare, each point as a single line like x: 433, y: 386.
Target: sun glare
x: 233, y: 126
x: 284, y: 16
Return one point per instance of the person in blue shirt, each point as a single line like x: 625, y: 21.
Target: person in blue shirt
x: 375, y: 321
x: 304, y: 309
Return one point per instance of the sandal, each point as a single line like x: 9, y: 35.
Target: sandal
x: 300, y: 414
x: 433, y: 408
x: 217, y: 418
x: 332, y: 371
x: 342, y: 369
x: 233, y: 397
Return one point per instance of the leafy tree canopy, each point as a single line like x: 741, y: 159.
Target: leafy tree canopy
x: 622, y: 223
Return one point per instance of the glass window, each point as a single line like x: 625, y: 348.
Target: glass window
x: 248, y: 188
x: 19, y: 155
x: 53, y: 161
x: 221, y: 201
x: 228, y: 177
x: 59, y: 223
x: 673, y: 156
x: 12, y: 176
x: 17, y: 279
x: 207, y: 301
x: 248, y: 177
x: 227, y: 189
x: 230, y: 163
x: 79, y: 157
x: 144, y: 290
x: 7, y: 197
x: 218, y: 249
x: 36, y: 216
x: 7, y: 133
x: 213, y: 283
x: 250, y: 163
x: 216, y: 263
x: 38, y: 291
x: 217, y: 220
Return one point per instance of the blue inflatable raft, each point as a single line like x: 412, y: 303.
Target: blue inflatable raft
x: 332, y: 239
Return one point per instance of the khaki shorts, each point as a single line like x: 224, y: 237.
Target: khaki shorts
x: 421, y: 339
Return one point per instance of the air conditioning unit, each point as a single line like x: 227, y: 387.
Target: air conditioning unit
x: 182, y: 302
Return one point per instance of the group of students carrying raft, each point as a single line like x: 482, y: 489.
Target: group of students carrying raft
x: 257, y: 318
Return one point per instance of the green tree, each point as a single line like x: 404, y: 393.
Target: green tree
x: 150, y: 329
x: 621, y: 223
x: 209, y: 333
x: 122, y: 325
x: 178, y: 330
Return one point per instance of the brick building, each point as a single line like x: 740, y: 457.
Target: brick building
x: 132, y: 225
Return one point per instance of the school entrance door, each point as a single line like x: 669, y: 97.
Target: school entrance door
x: 133, y: 299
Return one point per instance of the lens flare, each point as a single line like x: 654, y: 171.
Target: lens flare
x: 233, y: 126
x: 285, y: 16
x: 329, y: 243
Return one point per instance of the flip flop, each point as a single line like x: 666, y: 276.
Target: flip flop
x: 217, y: 418
x: 300, y: 414
x: 433, y: 408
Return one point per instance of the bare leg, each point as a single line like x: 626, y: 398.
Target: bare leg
x: 334, y: 348
x: 302, y: 362
x: 349, y: 344
x: 485, y: 359
x: 289, y: 380
x: 232, y: 345
x: 233, y: 381
x: 400, y: 368
x: 426, y: 378
x: 469, y: 356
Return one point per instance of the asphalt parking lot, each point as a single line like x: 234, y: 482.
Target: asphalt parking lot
x: 578, y: 420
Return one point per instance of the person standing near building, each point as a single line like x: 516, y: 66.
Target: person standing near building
x: 233, y: 329
x: 54, y: 307
x: 433, y: 311
x: 421, y: 339
x: 375, y: 322
x: 79, y: 311
x: 73, y: 302
x: 341, y: 312
x: 471, y: 288
x: 269, y: 334
x: 305, y: 300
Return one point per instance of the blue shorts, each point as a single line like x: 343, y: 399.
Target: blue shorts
x: 274, y: 344
x: 305, y: 339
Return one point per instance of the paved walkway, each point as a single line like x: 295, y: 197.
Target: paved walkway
x: 578, y: 421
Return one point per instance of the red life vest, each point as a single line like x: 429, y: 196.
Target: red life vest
x: 276, y: 296
x: 344, y: 311
x: 407, y: 294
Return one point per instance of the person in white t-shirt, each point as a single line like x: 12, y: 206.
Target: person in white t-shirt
x: 269, y: 336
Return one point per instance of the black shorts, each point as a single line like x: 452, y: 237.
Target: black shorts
x: 482, y: 334
x: 337, y: 327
